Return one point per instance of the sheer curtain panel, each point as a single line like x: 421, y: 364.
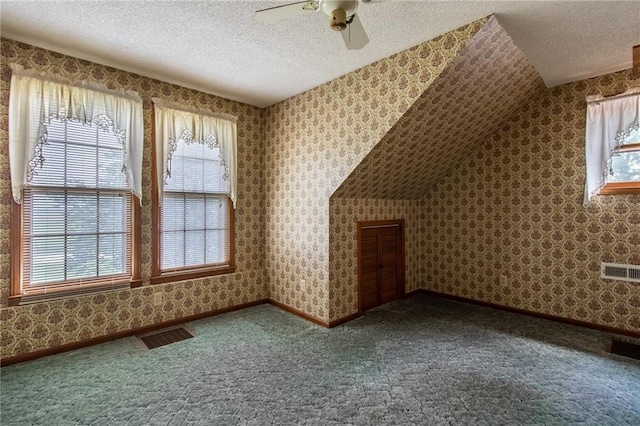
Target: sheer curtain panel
x: 608, y: 120
x: 174, y: 122
x: 36, y: 98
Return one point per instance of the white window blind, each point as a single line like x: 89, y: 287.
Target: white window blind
x: 194, y: 208
x: 77, y: 209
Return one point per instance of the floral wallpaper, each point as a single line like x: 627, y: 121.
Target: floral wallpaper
x: 40, y: 326
x: 344, y: 215
x: 314, y: 140
x: 456, y: 136
x: 514, y: 208
x: 487, y: 80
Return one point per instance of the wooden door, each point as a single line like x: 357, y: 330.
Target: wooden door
x: 380, y: 263
x: 369, y: 267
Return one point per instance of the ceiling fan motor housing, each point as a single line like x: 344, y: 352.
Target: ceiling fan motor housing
x: 339, y: 11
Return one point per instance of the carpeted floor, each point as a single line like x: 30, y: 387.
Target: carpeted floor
x: 417, y: 361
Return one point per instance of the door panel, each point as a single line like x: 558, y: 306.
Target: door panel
x: 380, y: 265
x: 388, y: 258
x: 369, y: 269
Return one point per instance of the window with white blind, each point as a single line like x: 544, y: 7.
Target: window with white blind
x: 76, y: 212
x: 75, y: 155
x: 195, y: 213
x: 194, y: 191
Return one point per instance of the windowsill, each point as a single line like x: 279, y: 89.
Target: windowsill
x: 614, y: 188
x: 192, y: 273
x: 66, y: 291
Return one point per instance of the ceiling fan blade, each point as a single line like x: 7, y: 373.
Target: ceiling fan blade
x: 277, y: 13
x: 354, y: 35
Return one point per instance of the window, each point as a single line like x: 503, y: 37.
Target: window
x: 624, y: 165
x: 75, y: 225
x: 77, y: 210
x: 612, y: 145
x: 194, y: 235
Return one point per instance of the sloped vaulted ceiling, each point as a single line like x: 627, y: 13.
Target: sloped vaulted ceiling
x: 471, y: 99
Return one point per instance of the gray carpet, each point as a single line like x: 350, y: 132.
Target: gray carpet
x: 418, y: 361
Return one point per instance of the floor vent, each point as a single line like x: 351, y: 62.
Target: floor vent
x: 628, y: 349
x: 166, y: 337
x: 615, y: 271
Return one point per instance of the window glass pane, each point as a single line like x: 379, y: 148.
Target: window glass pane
x: 110, y: 170
x: 47, y: 259
x: 108, y: 139
x: 216, y: 244
x: 80, y: 133
x: 626, y: 167
x: 175, y: 181
x: 194, y: 253
x: 172, y: 249
x: 82, y: 164
x: 173, y: 212
x: 192, y: 175
x: 77, y: 231
x: 52, y: 171
x: 48, y: 213
x: 112, y: 212
x: 74, y: 158
x: 216, y: 212
x: 633, y: 137
x: 111, y: 256
x: 194, y: 203
x: 56, y: 131
x: 82, y: 213
x: 213, y: 181
x: 82, y: 256
x: 195, y: 212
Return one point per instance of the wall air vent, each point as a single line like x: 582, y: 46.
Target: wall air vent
x: 616, y: 271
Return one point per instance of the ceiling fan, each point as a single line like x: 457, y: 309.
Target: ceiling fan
x: 341, y: 13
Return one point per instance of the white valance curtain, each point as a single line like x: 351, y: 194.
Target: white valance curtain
x: 35, y: 98
x: 173, y: 122
x: 608, y: 120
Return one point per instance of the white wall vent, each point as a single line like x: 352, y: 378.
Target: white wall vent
x: 616, y: 271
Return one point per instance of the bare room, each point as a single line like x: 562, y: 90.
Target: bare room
x: 323, y: 212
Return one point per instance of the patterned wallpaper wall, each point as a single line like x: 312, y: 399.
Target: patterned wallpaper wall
x: 314, y: 140
x: 487, y: 80
x: 344, y: 215
x: 514, y: 208
x: 468, y: 102
x: 39, y: 326
x: 512, y: 205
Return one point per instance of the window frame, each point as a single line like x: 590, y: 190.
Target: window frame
x: 158, y: 276
x: 73, y: 287
x: 628, y: 187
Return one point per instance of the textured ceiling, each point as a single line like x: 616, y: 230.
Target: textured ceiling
x: 471, y: 99
x: 217, y: 47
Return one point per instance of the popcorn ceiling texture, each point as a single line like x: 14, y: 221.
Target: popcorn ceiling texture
x: 314, y: 140
x: 44, y: 325
x: 514, y: 208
